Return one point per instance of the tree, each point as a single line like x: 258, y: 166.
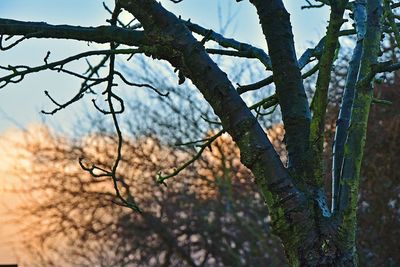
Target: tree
x: 216, y: 188
x: 378, y: 198
x: 312, y: 233
x: 206, y: 219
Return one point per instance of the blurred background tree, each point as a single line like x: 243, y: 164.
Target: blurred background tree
x: 212, y: 215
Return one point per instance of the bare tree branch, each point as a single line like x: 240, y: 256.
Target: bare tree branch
x: 320, y: 99
x: 101, y: 34
x: 183, y: 51
x: 249, y: 50
x: 354, y: 146
x: 19, y: 72
x: 274, y: 20
x: 343, y: 121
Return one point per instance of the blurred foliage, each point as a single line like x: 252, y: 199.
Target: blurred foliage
x: 211, y: 214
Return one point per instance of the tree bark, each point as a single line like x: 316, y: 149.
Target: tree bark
x: 275, y: 23
x: 354, y: 146
x: 297, y: 205
x: 289, y: 207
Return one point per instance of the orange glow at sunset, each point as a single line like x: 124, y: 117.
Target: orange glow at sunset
x: 37, y: 157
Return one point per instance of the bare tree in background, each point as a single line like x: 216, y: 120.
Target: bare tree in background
x: 212, y: 216
x: 312, y: 233
x: 221, y: 197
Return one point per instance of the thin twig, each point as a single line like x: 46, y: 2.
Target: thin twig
x: 20, y: 71
x: 161, y: 178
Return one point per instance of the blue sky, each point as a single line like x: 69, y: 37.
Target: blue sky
x: 22, y: 102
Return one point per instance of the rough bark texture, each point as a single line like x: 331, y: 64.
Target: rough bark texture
x: 100, y: 34
x: 320, y: 100
x: 289, y: 207
x: 311, y: 235
x: 275, y: 23
x: 343, y: 121
x: 354, y: 147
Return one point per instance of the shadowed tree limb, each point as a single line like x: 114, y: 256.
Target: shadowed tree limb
x: 354, y: 146
x: 343, y: 121
x: 19, y: 72
x: 320, y: 99
x: 100, y: 34
x: 274, y: 20
x: 270, y: 79
x: 305, y: 58
x: 249, y: 50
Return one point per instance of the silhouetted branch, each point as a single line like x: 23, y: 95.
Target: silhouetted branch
x: 100, y: 34
x: 354, y: 146
x: 320, y: 99
x: 210, y: 121
x: 140, y: 84
x: 305, y: 58
x: 250, y: 50
x: 4, y: 48
x: 311, y: 5
x: 161, y: 178
x: 20, y: 71
x: 266, y: 102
